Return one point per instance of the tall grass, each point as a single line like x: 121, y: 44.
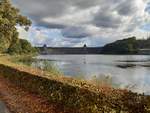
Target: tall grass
x: 43, y: 65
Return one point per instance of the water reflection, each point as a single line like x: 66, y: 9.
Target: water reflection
x: 128, y: 71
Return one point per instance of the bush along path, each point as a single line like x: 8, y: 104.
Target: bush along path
x: 72, y: 95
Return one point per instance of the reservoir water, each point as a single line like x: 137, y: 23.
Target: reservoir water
x: 124, y: 71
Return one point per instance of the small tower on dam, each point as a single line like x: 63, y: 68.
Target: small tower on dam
x: 45, y: 49
x: 85, y: 49
x: 85, y: 46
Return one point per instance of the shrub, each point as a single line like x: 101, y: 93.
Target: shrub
x: 21, y: 46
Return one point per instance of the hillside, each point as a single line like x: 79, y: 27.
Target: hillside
x: 126, y: 46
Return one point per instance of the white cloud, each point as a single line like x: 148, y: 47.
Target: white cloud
x: 112, y: 19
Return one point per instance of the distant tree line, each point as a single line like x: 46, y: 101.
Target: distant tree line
x: 10, y: 42
x: 126, y: 46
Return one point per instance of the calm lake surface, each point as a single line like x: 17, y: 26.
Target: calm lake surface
x: 124, y: 71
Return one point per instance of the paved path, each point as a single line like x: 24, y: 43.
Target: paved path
x: 3, y: 108
x: 20, y: 101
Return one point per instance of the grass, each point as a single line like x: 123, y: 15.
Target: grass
x: 44, y: 65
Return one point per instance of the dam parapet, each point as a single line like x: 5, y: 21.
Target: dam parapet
x: 70, y: 50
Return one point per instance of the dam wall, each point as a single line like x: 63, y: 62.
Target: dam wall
x: 70, y: 50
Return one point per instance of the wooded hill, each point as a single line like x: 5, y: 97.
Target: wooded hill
x: 126, y: 46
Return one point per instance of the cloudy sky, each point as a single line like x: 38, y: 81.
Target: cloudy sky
x: 78, y: 22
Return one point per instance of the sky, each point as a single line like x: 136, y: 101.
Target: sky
x: 73, y: 23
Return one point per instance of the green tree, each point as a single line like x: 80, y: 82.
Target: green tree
x: 10, y: 17
x: 26, y: 46
x: 22, y: 46
x: 125, y: 46
x: 15, y: 48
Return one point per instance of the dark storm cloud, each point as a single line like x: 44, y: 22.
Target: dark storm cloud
x: 147, y: 9
x: 82, y: 4
x: 127, y: 7
x: 51, y: 25
x: 42, y: 8
x: 107, y: 20
x: 75, y: 32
